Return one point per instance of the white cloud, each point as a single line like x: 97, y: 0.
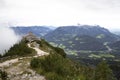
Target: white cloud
x: 7, y: 38
x: 62, y: 12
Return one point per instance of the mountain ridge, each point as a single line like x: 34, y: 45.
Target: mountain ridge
x: 93, y: 31
x: 96, y: 36
x: 37, y: 30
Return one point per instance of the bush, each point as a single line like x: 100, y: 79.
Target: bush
x: 55, y: 67
x: 3, y: 75
x: 103, y: 72
x: 20, y: 49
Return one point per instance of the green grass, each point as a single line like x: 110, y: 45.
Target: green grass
x: 53, y: 44
x: 77, y: 39
x: 101, y: 55
x: 100, y: 36
x: 62, y: 46
x: 71, y: 52
x: 70, y: 42
x: 94, y: 56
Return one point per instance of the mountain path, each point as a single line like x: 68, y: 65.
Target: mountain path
x: 39, y: 52
x: 10, y: 62
x: 19, y: 68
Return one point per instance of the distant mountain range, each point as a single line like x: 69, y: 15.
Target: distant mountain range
x: 83, y: 37
x: 97, y: 32
x: 37, y: 30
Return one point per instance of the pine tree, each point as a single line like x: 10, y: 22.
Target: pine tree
x: 103, y: 72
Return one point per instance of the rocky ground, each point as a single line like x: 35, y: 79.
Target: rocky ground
x: 19, y: 68
x: 21, y: 71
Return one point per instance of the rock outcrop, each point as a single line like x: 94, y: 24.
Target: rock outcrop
x: 31, y: 37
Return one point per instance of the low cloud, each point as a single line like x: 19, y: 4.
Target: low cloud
x: 7, y: 38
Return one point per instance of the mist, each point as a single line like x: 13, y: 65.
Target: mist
x: 7, y: 39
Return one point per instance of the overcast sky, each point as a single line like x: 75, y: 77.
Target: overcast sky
x: 105, y: 13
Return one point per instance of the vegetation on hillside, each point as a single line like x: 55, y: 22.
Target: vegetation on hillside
x: 103, y: 72
x: 20, y: 49
x: 78, y: 42
x: 44, y: 45
x: 56, y: 67
x: 3, y: 75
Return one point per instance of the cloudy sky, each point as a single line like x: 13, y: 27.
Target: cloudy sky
x: 8, y: 38
x: 61, y: 12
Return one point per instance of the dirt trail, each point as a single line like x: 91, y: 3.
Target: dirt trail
x: 19, y: 68
x: 39, y: 52
x: 9, y: 62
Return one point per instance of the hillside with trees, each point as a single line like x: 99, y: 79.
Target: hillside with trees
x: 55, y: 66
x: 58, y: 67
x: 20, y: 49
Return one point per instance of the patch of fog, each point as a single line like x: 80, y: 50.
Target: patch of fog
x: 7, y: 38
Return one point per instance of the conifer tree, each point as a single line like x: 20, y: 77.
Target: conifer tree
x: 103, y: 72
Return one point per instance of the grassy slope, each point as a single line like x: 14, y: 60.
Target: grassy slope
x: 56, y: 67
